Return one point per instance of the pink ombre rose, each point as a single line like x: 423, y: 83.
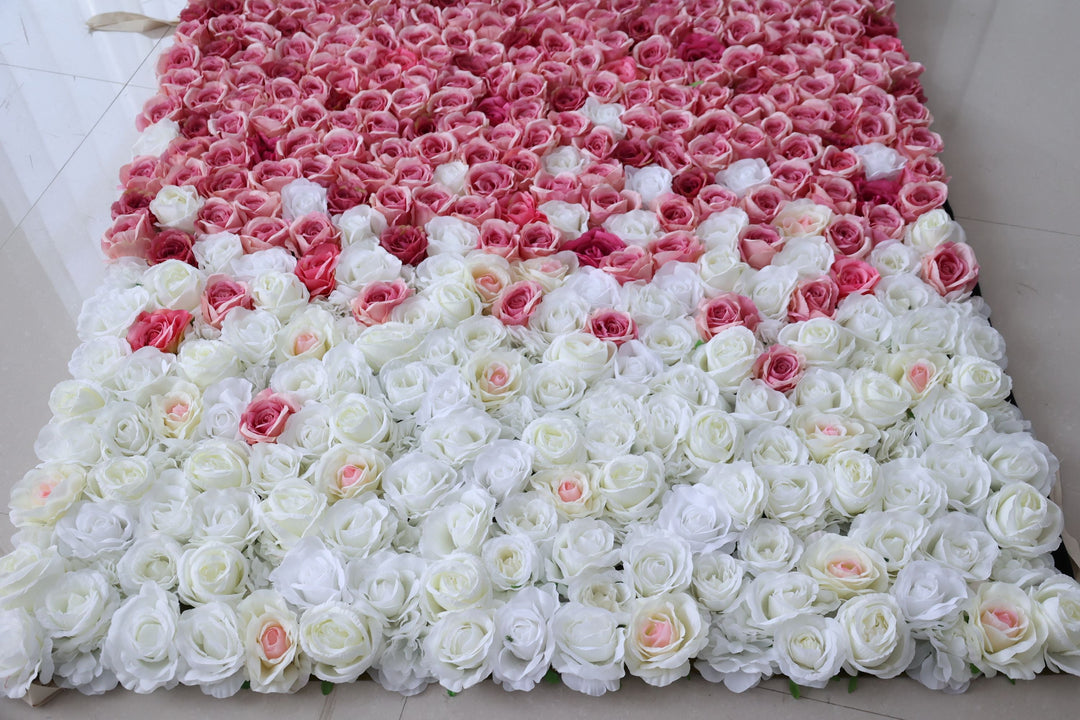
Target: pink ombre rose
x: 629, y: 264
x: 759, y: 244
x: 725, y: 310
x: 951, y: 269
x: 265, y: 417
x: 163, y: 329
x: 853, y: 276
x: 612, y: 325
x: 516, y: 303
x: 222, y: 295
x: 813, y: 298
x: 377, y: 300
x: 129, y: 236
x: 316, y: 268
x: 780, y: 368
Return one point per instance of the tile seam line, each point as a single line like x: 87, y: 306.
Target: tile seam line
x: 1018, y: 227
x: 122, y: 88
x: 832, y: 704
x: 62, y: 73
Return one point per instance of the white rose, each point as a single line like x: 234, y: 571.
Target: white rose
x: 216, y: 253
x: 671, y: 341
x: 977, y: 337
x: 77, y: 610
x: 929, y: 594
x: 565, y: 159
x: 360, y: 265
x: 300, y: 197
x: 153, y: 558
x: 944, y: 663
x: 524, y: 643
x: 821, y: 341
x: 713, y: 437
x: 167, y: 511
x: 756, y: 404
x: 649, y: 182
x: 635, y: 227
x: 459, y: 437
x: 349, y: 470
x: 357, y: 528
x: 855, y: 482
x: 512, y: 561
x: 721, y: 230
x: 880, y: 642
x: 742, y: 175
x: 609, y: 436
x: 810, y: 649
x: 722, y: 270
x: 310, y: 574
x: 843, y: 567
x: 771, y: 598
x: 140, y: 645
x: 664, y: 633
x: 571, y: 219
x: 77, y: 398
x: 1018, y: 457
x: 965, y: 474
x: 250, y: 333
x: 205, y: 362
x: 451, y: 175
x: 211, y: 649
x: 291, y: 509
x: 605, y: 115
x: 415, y: 483
x: 981, y: 381
x: 827, y: 433
x: 213, y: 572
x: 69, y: 441
x: 460, y: 523
x: 600, y: 588
x: 343, y: 640
x: 877, y: 398
x: 530, y: 513
x: 556, y: 440
x: 698, y: 514
x: 216, y: 464
x: 223, y: 404
x: 1059, y: 599
x: 865, y: 317
x: 45, y: 494
x: 155, y: 139
x: 811, y: 257
x: 631, y: 485
x: 175, y: 284
x: 97, y: 359
x: 111, y: 312
x: 768, y: 546
x: 717, y: 580
x: 879, y: 162
x: 944, y: 416
x: 1010, y: 629
x: 655, y: 562
x: 26, y: 654
x: 775, y: 445
x: 451, y: 235
x: 400, y: 667
x: 908, y: 485
x: 591, y: 357
x: 729, y: 357
x: 91, y: 529
x: 904, y: 292
x: 1021, y: 519
x: 893, y: 257
x: 770, y: 288
x: 273, y: 660
x: 579, y: 545
x: 458, y: 646
x: 932, y: 229
x: 177, y: 207
x: 797, y: 494
x: 589, y: 648
x: 573, y: 489
x: 960, y: 541
x: 456, y: 582
x: 895, y: 535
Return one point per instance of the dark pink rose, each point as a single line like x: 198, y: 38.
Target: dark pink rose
x: 725, y: 310
x: 221, y: 295
x: 163, y: 329
x: 490, y: 179
x: 951, y: 269
x: 780, y: 368
x: 265, y: 417
x: 758, y: 245
x: 405, y: 242
x: 813, y: 299
x: 393, y: 201
x: 854, y: 276
x: 171, y: 244
x: 613, y: 325
x: 520, y: 209
x: 316, y: 268
x: 377, y: 300
x: 699, y: 46
x: 689, y: 182
x: 594, y: 245
x: 517, y: 302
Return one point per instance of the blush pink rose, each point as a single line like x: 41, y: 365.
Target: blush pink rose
x: 678, y: 246
x: 917, y: 199
x: 163, y: 329
x: 759, y: 244
x: 377, y: 300
x: 951, y: 269
x: 129, y: 236
x: 854, y: 276
x: 223, y: 294
x: 813, y: 299
x: 780, y: 368
x: 265, y: 418
x: 629, y: 264
x: 516, y: 303
x: 613, y: 325
x: 849, y: 235
x: 725, y: 310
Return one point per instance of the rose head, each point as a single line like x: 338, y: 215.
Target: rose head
x: 517, y: 302
x: 265, y: 417
x: 780, y: 368
x: 376, y: 301
x: 407, y: 243
x: 316, y: 269
x: 617, y: 327
x: 951, y: 269
x: 724, y: 310
x: 594, y: 245
x: 163, y: 329
x: 221, y: 295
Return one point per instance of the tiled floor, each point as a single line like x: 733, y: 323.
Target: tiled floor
x: 1001, y: 82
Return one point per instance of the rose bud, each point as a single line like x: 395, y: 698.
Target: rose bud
x: 813, y: 299
x: 594, y: 245
x: 780, y: 368
x: 265, y: 418
x: 517, y: 302
x: 951, y: 269
x: 221, y: 295
x: 853, y: 276
x: 405, y: 242
x: 724, y: 310
x: 375, y: 302
x: 163, y: 329
x: 618, y: 327
x: 316, y: 269
x: 171, y: 244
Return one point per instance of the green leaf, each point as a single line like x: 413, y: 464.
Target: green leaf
x: 451, y: 693
x: 246, y: 685
x: 851, y: 683
x: 697, y: 82
x: 794, y: 689
x: 552, y: 677
x: 699, y: 344
x: 975, y: 670
x: 1011, y: 681
x: 327, y: 687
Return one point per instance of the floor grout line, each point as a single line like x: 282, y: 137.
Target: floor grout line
x: 63, y: 73
x: 831, y: 703
x: 1018, y: 227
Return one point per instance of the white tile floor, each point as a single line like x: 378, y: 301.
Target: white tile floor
x: 1001, y: 83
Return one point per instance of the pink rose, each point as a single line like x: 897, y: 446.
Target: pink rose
x: 129, y: 236
x: 257, y: 203
x: 675, y: 213
x: 792, y: 177
x: 605, y: 201
x: 261, y: 233
x: 759, y: 244
x: 917, y: 199
x: 780, y: 368
x: 517, y: 302
x: 886, y: 223
x: 854, y: 276
x: 499, y: 237
x: 265, y: 418
x: 849, y: 235
x: 163, y: 329
x: 725, y: 310
x: 405, y: 242
x: 951, y: 269
x: 223, y: 294
x: 813, y: 299
x: 678, y: 246
x: 218, y: 215
x: 594, y: 245
x: 763, y: 203
x: 376, y: 301
x: 607, y: 324
x: 171, y: 244
x: 316, y: 267
x: 538, y: 240
x: 699, y: 46
x: 629, y: 264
